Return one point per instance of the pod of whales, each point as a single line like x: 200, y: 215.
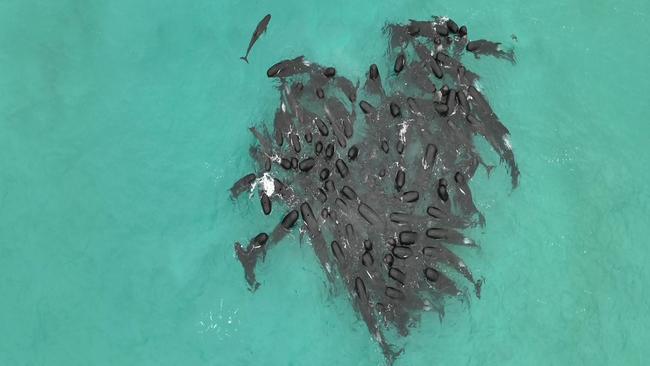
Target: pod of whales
x: 387, y: 175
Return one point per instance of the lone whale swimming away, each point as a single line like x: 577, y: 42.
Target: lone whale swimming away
x: 380, y: 174
x: 259, y: 30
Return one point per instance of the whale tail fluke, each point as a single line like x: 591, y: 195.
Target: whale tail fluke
x: 245, y: 58
x: 391, y: 355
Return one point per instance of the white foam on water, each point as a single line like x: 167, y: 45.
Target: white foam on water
x: 403, y: 130
x: 506, y: 141
x: 266, y: 181
x: 424, y: 164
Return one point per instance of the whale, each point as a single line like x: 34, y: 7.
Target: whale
x: 259, y: 30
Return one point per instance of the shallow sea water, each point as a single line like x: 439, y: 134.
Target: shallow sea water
x: 123, y: 123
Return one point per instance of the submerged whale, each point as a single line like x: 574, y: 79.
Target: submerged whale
x: 380, y: 186
x: 259, y: 30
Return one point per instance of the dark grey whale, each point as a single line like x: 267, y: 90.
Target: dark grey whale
x: 484, y: 47
x: 259, y: 30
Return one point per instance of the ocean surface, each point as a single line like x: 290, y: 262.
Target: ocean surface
x: 123, y: 124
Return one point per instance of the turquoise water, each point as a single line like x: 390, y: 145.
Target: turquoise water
x: 122, y: 123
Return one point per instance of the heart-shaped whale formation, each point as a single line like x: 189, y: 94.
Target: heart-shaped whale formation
x: 379, y: 174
